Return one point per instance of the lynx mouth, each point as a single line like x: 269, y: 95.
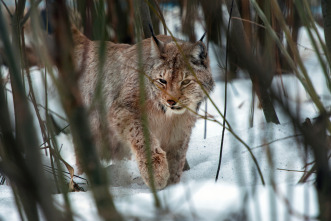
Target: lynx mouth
x: 176, y: 108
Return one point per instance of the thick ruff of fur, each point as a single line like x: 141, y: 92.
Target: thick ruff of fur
x: 172, y: 93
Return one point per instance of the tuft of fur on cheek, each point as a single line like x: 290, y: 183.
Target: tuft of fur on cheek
x: 162, y: 108
x: 198, y: 106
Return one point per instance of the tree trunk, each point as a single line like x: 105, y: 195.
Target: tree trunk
x: 259, y: 74
x: 145, y: 17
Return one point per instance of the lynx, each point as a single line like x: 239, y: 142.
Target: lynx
x: 177, y: 76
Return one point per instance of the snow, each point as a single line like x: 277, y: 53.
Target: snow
x: 8, y: 209
x: 196, y: 200
x: 239, y: 192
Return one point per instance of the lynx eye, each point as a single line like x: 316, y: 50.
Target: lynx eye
x: 186, y: 82
x: 162, y: 81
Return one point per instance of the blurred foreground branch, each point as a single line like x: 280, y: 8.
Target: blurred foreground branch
x: 20, y: 157
x: 77, y: 115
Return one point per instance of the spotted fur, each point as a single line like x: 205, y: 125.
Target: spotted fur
x: 173, y: 93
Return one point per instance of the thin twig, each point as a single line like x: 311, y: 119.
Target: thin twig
x: 308, y: 173
x: 288, y: 170
x: 69, y: 174
x: 225, y: 94
x: 249, y: 21
x: 283, y: 138
x: 53, y: 137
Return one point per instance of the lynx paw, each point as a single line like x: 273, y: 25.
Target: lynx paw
x: 160, y: 169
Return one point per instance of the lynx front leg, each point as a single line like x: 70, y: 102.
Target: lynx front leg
x: 176, y: 160
x: 129, y: 127
x: 159, y: 165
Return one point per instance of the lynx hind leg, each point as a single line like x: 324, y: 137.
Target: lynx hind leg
x: 100, y: 138
x: 94, y: 124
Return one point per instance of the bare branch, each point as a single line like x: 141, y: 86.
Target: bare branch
x: 27, y: 15
x: 4, y: 4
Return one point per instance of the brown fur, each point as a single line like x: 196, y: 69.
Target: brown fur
x: 169, y: 124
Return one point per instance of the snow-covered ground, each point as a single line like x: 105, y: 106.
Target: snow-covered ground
x: 238, y: 194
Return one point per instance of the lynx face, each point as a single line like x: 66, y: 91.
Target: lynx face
x: 181, y: 77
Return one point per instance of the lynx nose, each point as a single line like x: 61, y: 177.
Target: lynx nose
x: 171, y: 102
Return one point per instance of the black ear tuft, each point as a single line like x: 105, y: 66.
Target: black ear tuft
x: 203, y: 36
x: 157, y: 46
x: 153, y: 35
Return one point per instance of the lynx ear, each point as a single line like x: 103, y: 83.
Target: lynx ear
x: 199, y: 51
x: 157, y: 46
